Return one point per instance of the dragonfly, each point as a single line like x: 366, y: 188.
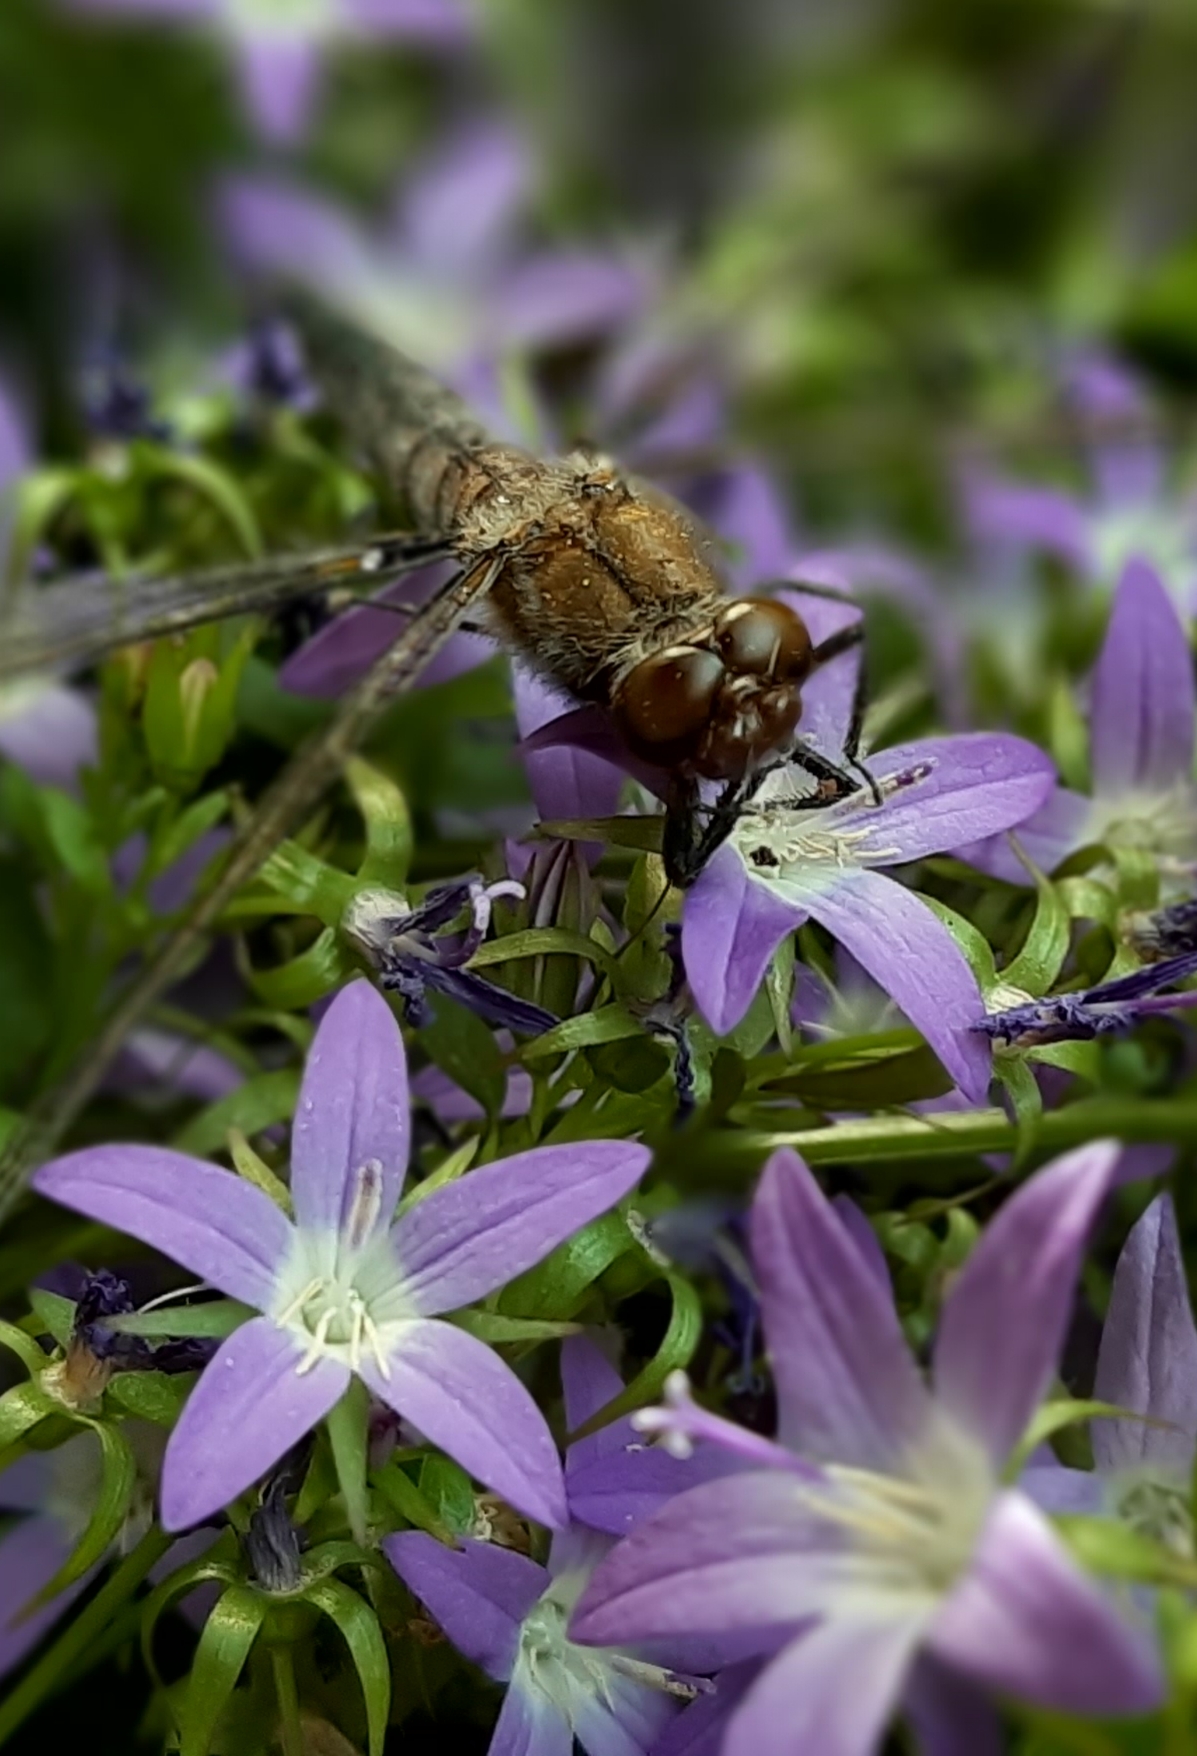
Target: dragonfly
x: 603, y: 584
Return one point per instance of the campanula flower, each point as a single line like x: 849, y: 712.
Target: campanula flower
x: 1146, y: 1364
x: 278, y: 50
x: 509, y: 1615
x: 782, y: 865
x: 1141, y: 719
x: 51, y: 1494
x: 877, y: 1528
x: 343, y: 1291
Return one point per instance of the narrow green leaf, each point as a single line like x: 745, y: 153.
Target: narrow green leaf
x: 118, y: 1477
x: 973, y: 944
x: 674, y: 1354
x: 25, y: 1348
x: 608, y: 1024
x: 217, y: 1317
x: 398, y: 1489
x: 309, y: 882
x: 359, y: 1628
x: 307, y: 978
x: 1053, y: 1417
x: 349, y: 1435
x: 183, y: 831
x: 21, y: 1408
x: 56, y: 1314
x: 262, y: 1101
x: 152, y: 1396
x: 388, y: 824
x: 449, y: 1489
x: 642, y: 833
x: 255, y: 1170
x: 543, y: 942
x: 465, y: 1048
x: 495, y: 1329
x: 214, y: 483
x: 553, y: 1289
x: 228, y: 1634
x: 1039, y: 962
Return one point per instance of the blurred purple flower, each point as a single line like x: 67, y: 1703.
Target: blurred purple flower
x: 1108, y: 1009
x: 1146, y: 1364
x: 1141, y: 718
x: 53, y: 1492
x: 279, y: 50
x: 509, y: 1615
x: 342, y: 1291
x: 878, y: 1524
x: 782, y: 865
x: 1131, y: 510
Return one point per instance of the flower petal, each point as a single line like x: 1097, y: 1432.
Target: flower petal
x: 280, y: 76
x: 1003, y: 1321
x: 209, y: 1220
x: 31, y: 1553
x: 1065, y: 822
x: 910, y: 953
x: 250, y: 1405
x: 456, y: 209
x: 1001, y: 511
x: 49, y: 728
x: 563, y: 296
x: 478, y: 1593
x: 529, y: 1725
x: 977, y: 784
x: 1148, y: 1355
x: 731, y: 926
x: 1027, y: 1622
x: 621, y: 1717
x: 353, y: 1110
x: 698, y: 1731
x: 740, y: 1560
x: 833, y: 1690
x: 1141, y: 720
x: 565, y: 782
x: 589, y: 1381
x: 466, y: 1400
x: 1055, y: 1488
x: 466, y: 1239
x: 344, y: 649
x: 848, y: 1389
x: 949, y: 1715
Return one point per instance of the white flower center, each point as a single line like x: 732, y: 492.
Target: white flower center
x: 342, y: 1293
x: 568, y: 1677
x: 917, y: 1533
x: 777, y: 842
x: 1158, y: 1510
x: 1164, y: 824
x: 292, y: 18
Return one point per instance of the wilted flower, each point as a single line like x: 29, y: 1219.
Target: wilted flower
x: 1147, y: 1365
x: 877, y: 1525
x: 509, y: 1615
x: 1108, y: 1009
x: 342, y: 1290
x: 279, y: 49
x: 411, y: 953
x: 1141, y: 719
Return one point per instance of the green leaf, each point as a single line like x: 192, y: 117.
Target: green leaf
x: 40, y: 495
x: 388, y: 824
x: 216, y: 1318
x: 554, y: 1288
x: 325, y: 965
x: 117, y: 1480
x: 495, y: 1329
x: 448, y: 1171
x: 228, y: 1634
x: 19, y: 1342
x: 412, y: 1505
x: 447, y: 1487
x: 349, y: 1434
x: 56, y: 1314
x: 1054, y: 1417
x: 152, y: 1396
x: 255, y: 1170
x: 310, y: 884
x: 974, y: 945
x: 262, y: 1101
x: 214, y: 483
x: 543, y: 942
x: 1038, y: 964
x: 1115, y: 1550
x: 642, y: 833
x: 21, y: 1408
x: 465, y: 1048
x: 180, y: 833
x: 607, y: 1024
x: 358, y: 1626
x: 674, y: 1354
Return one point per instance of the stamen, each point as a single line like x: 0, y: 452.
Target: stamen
x: 366, y: 1204
x: 291, y: 1311
x: 317, y: 1344
x: 681, y: 1421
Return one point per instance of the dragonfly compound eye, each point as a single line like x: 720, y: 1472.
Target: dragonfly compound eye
x: 665, y: 702
x: 748, y: 722
x: 761, y: 637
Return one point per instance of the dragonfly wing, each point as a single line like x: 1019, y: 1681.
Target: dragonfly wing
x: 71, y: 622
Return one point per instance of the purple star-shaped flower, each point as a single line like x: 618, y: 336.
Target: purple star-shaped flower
x: 1146, y: 1364
x: 342, y: 1290
x: 1141, y: 718
x: 782, y: 865
x: 508, y: 1614
x: 877, y: 1527
x: 279, y: 49
x: 1131, y: 510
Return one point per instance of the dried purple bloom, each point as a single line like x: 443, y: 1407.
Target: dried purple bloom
x: 1164, y: 932
x: 411, y: 954
x: 1141, y: 717
x: 272, y: 1541
x: 342, y: 1290
x: 877, y: 1526
x: 117, y: 404
x: 1147, y: 1364
x: 509, y: 1615
x: 1108, y: 1009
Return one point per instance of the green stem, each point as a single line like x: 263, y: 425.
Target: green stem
x: 282, y: 1659
x: 878, y: 1139
x: 87, y: 1629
